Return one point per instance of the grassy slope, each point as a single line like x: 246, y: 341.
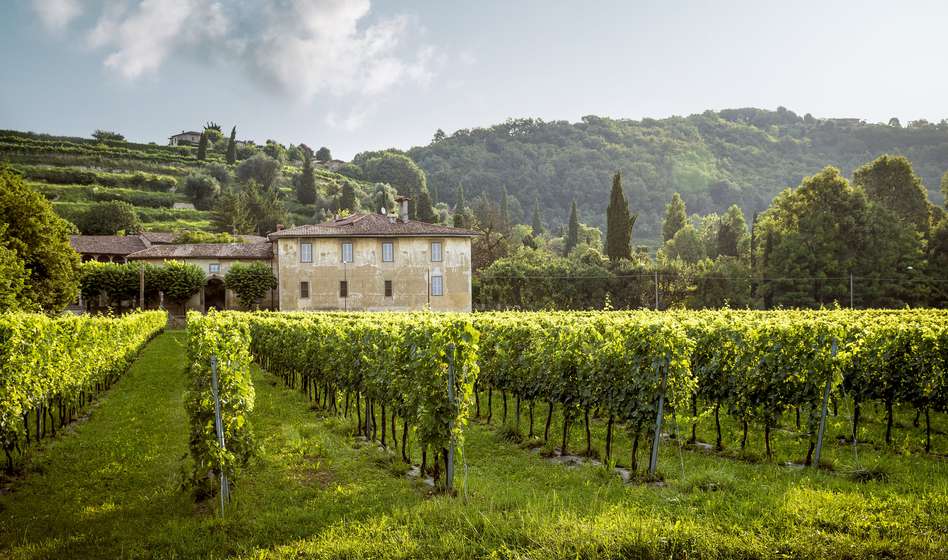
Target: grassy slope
x: 111, y: 490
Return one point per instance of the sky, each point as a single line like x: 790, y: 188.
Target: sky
x: 358, y: 75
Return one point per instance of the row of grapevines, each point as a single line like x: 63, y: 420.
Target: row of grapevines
x: 618, y: 363
x: 50, y: 367
x: 225, y: 338
x: 400, y: 363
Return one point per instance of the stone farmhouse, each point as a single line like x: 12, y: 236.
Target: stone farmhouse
x: 362, y: 262
x: 185, y: 138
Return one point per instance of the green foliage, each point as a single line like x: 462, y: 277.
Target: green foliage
x: 685, y: 245
x: 323, y: 154
x: 74, y: 176
x: 232, y: 146
x: 347, y: 198
x: 202, y: 190
x: 41, y: 240
x: 202, y: 147
x: 891, y: 182
x: 193, y: 236
x: 263, y: 169
x: 250, y: 209
x: 714, y: 159
x: 306, y: 184
x: 225, y: 338
x: 14, y: 279
x: 275, y: 150
x: 572, y: 234
x: 732, y: 233
x: 109, y: 218
x: 250, y: 282
x: 107, y: 135
x: 181, y: 280
x: 537, y: 222
x: 424, y: 212
x: 45, y: 360
x: 393, y: 168
x: 676, y: 218
x: 619, y: 223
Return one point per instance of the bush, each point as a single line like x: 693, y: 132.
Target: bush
x: 109, y: 218
x: 250, y: 282
x: 202, y: 189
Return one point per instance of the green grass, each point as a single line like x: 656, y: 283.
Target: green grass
x: 111, y: 489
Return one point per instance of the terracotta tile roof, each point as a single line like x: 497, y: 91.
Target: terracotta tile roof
x: 372, y: 225
x: 107, y: 244
x: 261, y: 251
x: 158, y: 236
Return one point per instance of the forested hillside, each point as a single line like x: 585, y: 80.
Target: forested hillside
x: 715, y: 159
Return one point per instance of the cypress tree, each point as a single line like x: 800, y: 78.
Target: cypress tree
x: 504, y: 211
x: 424, y: 212
x: 202, y: 147
x: 537, y: 222
x: 458, y: 218
x: 675, y: 217
x: 347, y: 200
x: 618, y: 223
x: 572, y: 234
x: 232, y: 146
x: 306, y: 187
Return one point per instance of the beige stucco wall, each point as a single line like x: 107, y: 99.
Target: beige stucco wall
x: 366, y: 275
x: 230, y: 299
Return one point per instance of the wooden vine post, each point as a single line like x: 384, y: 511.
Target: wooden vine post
x: 219, y: 427
x: 822, y: 429
x: 449, y: 475
x: 653, y: 460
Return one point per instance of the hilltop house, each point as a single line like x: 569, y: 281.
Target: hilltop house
x: 185, y: 138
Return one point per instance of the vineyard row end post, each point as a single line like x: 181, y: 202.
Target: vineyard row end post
x: 653, y: 459
x: 449, y: 476
x: 826, y: 393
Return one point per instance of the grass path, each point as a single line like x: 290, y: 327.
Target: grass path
x: 111, y: 488
x: 111, y: 475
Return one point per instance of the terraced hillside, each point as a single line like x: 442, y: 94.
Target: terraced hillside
x: 74, y: 173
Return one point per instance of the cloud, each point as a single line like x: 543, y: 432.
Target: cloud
x: 300, y: 47
x: 57, y: 14
x: 353, y: 120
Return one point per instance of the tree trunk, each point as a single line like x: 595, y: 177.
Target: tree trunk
x: 767, y: 438
x: 518, y: 413
x: 588, y: 435
x: 477, y: 403
x: 634, y: 466
x: 383, y: 425
x: 565, y: 431
x: 405, y: 456
x: 549, y: 418
x: 694, y: 423
x: 530, y: 435
x: 888, y: 421
x: 856, y: 410
x: 609, y: 438
x: 490, y: 403
x: 394, y: 436
x: 358, y: 408
x: 504, y: 394
x: 717, y: 426
x: 744, y: 439
x: 928, y: 432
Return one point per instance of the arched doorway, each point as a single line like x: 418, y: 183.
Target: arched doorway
x: 214, y: 295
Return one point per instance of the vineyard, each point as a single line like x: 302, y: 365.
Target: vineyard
x: 52, y: 368
x: 627, y: 369
x: 517, y: 435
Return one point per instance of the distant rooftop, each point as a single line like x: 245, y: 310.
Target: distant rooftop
x: 206, y: 251
x: 373, y: 225
x: 107, y: 244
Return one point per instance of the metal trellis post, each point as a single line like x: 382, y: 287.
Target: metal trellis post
x: 826, y: 394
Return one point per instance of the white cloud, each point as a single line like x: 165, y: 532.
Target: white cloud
x: 353, y: 120
x: 140, y: 40
x: 57, y: 14
x: 301, y: 47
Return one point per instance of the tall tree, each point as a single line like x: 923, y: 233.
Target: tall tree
x: 110, y: 217
x: 323, y: 154
x: 537, y: 221
x: 459, y: 217
x: 891, y: 182
x: 347, y: 197
x: 944, y: 187
x: 202, y: 147
x: 732, y: 232
x: 572, y: 233
x: 306, y: 185
x: 232, y: 146
x: 40, y: 239
x: 504, y: 210
x: 675, y: 217
x: 424, y: 211
x: 618, y: 223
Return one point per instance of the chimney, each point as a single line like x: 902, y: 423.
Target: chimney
x: 402, y: 208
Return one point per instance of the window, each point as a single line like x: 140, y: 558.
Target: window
x: 343, y: 289
x: 347, y: 252
x: 388, y: 288
x: 304, y: 289
x: 437, y: 286
x: 306, y: 252
x: 214, y: 268
x: 388, y: 251
x: 435, y: 251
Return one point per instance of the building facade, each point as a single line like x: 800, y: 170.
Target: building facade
x: 373, y: 262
